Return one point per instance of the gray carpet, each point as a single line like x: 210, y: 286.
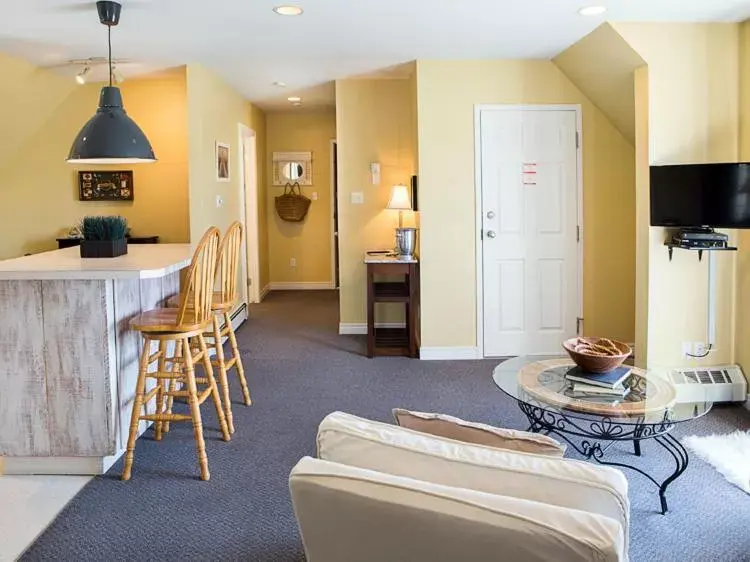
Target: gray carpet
x: 299, y: 371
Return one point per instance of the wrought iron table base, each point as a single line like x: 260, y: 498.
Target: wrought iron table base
x: 595, y: 430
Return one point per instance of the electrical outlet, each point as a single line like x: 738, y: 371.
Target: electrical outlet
x: 314, y: 196
x: 700, y: 348
x: 358, y: 198
x: 292, y: 262
x: 687, y: 349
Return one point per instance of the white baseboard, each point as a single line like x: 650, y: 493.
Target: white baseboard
x: 361, y: 329
x: 264, y: 292
x: 76, y: 466
x: 449, y: 353
x: 302, y: 286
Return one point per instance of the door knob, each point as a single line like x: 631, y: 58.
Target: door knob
x: 491, y: 214
x: 491, y: 234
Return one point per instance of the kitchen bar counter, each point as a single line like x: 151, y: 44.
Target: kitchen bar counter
x: 141, y: 262
x: 68, y: 358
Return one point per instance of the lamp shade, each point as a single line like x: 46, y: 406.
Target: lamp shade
x: 400, y: 198
x: 110, y: 136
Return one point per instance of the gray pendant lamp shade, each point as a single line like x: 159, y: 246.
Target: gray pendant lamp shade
x: 110, y: 136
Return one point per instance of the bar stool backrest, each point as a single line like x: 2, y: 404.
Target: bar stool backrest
x: 200, y: 280
x: 229, y: 262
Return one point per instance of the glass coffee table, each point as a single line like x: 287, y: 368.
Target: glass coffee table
x: 648, y: 411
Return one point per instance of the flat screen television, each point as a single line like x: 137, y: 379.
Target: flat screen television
x: 696, y: 195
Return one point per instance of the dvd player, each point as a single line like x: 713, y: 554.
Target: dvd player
x: 703, y: 235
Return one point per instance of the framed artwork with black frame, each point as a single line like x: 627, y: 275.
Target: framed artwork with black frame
x: 105, y: 186
x: 414, y: 198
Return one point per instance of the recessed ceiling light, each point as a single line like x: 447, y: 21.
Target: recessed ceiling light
x: 592, y: 10
x: 294, y: 99
x: 280, y: 84
x: 288, y: 10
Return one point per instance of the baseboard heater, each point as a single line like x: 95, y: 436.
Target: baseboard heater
x: 724, y: 383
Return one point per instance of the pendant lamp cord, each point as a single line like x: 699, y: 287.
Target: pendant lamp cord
x: 109, y: 42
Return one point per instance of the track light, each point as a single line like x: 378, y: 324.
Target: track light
x: 81, y: 76
x: 117, y: 76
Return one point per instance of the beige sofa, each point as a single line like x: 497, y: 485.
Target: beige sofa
x: 382, y: 493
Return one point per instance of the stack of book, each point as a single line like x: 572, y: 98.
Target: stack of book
x: 599, y: 385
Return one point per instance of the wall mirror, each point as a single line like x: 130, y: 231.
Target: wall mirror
x: 291, y: 167
x: 293, y: 171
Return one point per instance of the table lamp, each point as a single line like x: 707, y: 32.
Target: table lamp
x: 405, y: 237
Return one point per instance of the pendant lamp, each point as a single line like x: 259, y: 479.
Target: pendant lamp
x: 110, y: 136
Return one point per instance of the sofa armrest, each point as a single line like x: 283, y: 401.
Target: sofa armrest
x: 347, y: 513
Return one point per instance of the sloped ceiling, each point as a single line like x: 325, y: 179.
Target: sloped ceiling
x: 601, y: 65
x: 28, y: 97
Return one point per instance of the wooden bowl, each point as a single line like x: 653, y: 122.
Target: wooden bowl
x: 596, y: 363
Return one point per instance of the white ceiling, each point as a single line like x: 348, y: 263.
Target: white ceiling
x: 251, y: 47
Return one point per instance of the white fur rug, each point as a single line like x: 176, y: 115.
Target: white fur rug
x: 729, y: 454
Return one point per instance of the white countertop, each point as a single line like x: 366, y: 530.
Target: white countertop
x: 143, y: 261
x: 386, y: 258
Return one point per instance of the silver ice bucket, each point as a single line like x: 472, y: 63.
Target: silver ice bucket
x: 406, y: 242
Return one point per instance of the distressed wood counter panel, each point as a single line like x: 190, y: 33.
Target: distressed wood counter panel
x: 23, y: 385
x: 68, y: 358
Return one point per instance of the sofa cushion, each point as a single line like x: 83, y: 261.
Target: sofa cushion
x: 443, y: 425
x: 347, y: 513
x: 354, y: 441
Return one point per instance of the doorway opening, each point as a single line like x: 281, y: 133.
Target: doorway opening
x: 250, y: 268
x: 334, y: 215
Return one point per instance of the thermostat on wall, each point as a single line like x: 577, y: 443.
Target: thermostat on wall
x: 375, y: 173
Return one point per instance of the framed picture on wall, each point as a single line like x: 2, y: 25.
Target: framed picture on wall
x: 222, y: 161
x: 414, y: 195
x: 105, y: 186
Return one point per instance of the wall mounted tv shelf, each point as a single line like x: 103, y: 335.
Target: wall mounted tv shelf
x: 698, y: 239
x: 700, y: 251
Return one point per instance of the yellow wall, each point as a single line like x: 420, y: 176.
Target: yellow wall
x: 309, y: 242
x: 601, y: 65
x: 693, y: 75
x: 38, y: 189
x: 447, y: 92
x: 742, y: 335
x: 374, y: 124
x: 214, y: 112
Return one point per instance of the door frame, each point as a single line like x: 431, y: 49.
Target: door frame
x: 334, y: 206
x: 479, y: 214
x: 248, y: 188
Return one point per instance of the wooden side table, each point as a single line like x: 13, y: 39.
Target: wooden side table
x: 393, y: 341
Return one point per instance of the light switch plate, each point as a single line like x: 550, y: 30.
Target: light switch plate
x: 219, y: 200
x: 358, y: 198
x: 314, y: 196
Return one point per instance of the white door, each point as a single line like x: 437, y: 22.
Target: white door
x: 529, y: 188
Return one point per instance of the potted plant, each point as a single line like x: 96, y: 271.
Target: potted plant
x: 104, y: 237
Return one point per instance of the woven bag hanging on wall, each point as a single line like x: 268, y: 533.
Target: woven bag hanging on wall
x: 291, y: 205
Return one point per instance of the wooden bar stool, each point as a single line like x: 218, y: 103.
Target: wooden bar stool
x: 222, y: 304
x: 184, y: 326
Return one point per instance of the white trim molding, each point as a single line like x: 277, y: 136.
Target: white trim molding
x: 361, y: 329
x: 747, y: 403
x: 449, y: 353
x: 301, y: 286
x: 264, y: 292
